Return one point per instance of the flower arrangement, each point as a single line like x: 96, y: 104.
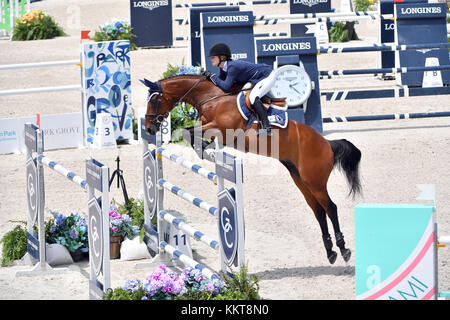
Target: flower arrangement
x: 164, y: 285
x: 120, y: 224
x: 197, y: 286
x: 36, y: 25
x: 71, y: 232
x: 115, y: 30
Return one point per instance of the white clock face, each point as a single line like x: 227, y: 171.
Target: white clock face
x: 293, y: 83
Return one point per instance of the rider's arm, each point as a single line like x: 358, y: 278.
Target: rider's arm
x: 227, y: 83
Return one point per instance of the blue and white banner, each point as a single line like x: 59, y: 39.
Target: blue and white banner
x: 106, y: 79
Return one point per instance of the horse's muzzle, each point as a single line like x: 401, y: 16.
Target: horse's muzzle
x: 153, y: 122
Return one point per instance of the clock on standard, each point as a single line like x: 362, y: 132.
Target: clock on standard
x: 292, y: 82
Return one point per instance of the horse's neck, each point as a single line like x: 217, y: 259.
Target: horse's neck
x: 202, y: 91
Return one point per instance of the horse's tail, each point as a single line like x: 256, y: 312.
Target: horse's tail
x: 347, y: 158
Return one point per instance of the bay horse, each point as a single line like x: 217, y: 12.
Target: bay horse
x: 308, y: 156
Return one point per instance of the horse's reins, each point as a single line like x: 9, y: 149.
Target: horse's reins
x: 160, y: 93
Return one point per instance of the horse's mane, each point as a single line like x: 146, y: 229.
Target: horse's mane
x: 182, y: 75
x: 234, y: 90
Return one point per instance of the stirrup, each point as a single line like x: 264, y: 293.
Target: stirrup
x: 265, y: 132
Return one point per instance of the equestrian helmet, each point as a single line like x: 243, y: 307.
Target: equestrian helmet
x: 220, y: 49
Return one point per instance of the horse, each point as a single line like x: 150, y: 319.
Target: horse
x: 306, y: 154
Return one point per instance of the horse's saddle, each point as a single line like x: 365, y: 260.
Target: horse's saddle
x: 276, y: 116
x: 276, y: 103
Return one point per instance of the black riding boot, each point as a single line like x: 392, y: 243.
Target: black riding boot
x: 261, y: 112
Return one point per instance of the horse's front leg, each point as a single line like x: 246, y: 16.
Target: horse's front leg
x: 202, y: 140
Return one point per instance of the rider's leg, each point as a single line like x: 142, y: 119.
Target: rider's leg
x: 260, y: 89
x: 261, y: 112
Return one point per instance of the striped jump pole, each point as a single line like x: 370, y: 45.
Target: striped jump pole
x: 228, y: 3
x: 256, y: 35
x: 63, y: 171
x: 394, y: 116
x: 200, y: 236
x: 314, y: 20
x: 382, y: 47
x: 97, y: 178
x: 212, y: 176
x: 320, y: 15
x: 341, y: 95
x: 39, y: 90
x: 355, y: 14
x: 40, y: 64
x: 382, y: 70
x: 187, y: 260
x: 188, y: 197
x: 229, y: 208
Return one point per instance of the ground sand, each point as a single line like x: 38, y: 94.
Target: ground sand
x: 283, y: 244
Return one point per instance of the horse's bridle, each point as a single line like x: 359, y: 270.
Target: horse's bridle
x: 158, y: 118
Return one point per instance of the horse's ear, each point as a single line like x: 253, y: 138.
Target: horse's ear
x: 148, y: 83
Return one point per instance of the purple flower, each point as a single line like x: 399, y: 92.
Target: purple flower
x: 73, y: 233
x: 132, y: 285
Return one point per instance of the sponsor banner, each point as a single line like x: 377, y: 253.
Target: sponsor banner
x: 281, y: 47
x: 421, y: 23
x: 196, y: 32
x: 233, y: 28
x: 145, y: 15
x: 106, y: 79
x: 395, y: 252
x: 60, y: 131
x: 224, y: 19
x: 421, y: 10
x: 306, y: 6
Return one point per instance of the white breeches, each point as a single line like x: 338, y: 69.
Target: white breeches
x: 262, y: 87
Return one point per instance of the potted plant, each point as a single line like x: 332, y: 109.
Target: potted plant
x: 71, y: 232
x: 120, y: 227
x: 116, y: 30
x: 36, y: 25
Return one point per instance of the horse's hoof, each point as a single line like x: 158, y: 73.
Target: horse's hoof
x: 210, y: 156
x: 346, y: 254
x: 332, y: 257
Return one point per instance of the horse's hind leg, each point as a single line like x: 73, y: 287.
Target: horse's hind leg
x: 316, y: 207
x: 331, y: 209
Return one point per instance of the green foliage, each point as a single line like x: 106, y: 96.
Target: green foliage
x: 240, y: 286
x: 190, y: 285
x: 36, y: 26
x: 171, y: 70
x: 363, y: 5
x: 116, y: 30
x: 14, y: 245
x: 123, y: 294
x: 135, y: 123
x: 338, y: 33
x: 136, y: 212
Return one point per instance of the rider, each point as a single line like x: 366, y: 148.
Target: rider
x: 240, y: 72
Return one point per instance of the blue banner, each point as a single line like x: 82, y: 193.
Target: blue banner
x: 420, y: 24
x: 232, y: 28
x: 145, y: 15
x: 196, y: 32
x: 306, y: 6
